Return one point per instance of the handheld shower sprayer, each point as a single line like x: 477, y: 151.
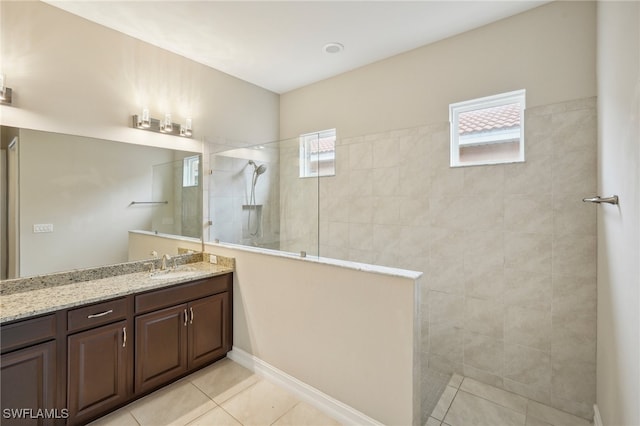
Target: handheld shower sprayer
x: 257, y: 171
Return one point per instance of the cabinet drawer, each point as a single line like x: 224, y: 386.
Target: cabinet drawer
x: 98, y: 314
x: 24, y: 333
x: 182, y: 293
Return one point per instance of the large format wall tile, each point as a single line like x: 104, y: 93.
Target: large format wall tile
x: 484, y: 353
x: 508, y: 250
x: 483, y: 179
x: 575, y: 255
x: 573, y: 173
x: 528, y: 252
x: 484, y: 316
x: 528, y: 289
x: 528, y: 327
x: 529, y: 213
x: 533, y: 177
x: 530, y: 368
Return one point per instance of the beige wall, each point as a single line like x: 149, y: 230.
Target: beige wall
x: 348, y: 333
x: 550, y: 51
x: 619, y: 226
x: 72, y: 76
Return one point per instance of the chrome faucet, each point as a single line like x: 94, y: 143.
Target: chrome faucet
x: 165, y: 257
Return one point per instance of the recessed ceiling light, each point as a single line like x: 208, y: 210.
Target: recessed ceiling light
x: 333, y: 48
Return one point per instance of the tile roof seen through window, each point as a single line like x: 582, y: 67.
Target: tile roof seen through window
x: 488, y: 119
x: 322, y: 145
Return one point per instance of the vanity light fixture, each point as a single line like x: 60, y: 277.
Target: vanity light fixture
x: 145, y: 121
x: 166, y: 125
x: 186, y: 129
x: 5, y: 92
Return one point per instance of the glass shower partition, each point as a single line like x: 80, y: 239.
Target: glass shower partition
x: 257, y: 197
x: 176, y: 193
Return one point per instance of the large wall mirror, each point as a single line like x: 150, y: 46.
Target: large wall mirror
x: 69, y: 202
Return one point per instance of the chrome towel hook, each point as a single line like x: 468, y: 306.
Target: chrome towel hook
x: 599, y: 200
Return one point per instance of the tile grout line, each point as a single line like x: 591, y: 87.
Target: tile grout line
x: 231, y: 415
x: 134, y: 417
x: 220, y: 405
x: 286, y: 412
x: 236, y: 394
x: 451, y: 403
x: 131, y: 414
x: 210, y: 398
x: 203, y: 392
x: 497, y: 403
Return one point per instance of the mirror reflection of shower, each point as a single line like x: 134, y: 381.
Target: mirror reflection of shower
x: 257, y: 171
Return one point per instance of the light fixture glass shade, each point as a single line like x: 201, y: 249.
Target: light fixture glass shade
x: 167, y: 124
x: 145, y: 121
x: 2, y: 78
x: 185, y: 130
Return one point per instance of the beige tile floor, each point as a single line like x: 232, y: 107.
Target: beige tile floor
x: 467, y: 402
x: 223, y: 394
x: 227, y: 394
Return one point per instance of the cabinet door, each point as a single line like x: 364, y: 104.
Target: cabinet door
x: 28, y: 383
x: 208, y: 329
x: 97, y: 371
x: 161, y: 347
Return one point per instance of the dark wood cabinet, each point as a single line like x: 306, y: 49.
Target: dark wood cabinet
x: 86, y: 361
x: 98, y: 370
x: 28, y: 383
x: 181, y: 338
x: 208, y: 329
x: 161, y: 347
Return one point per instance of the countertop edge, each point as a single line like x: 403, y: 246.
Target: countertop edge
x: 148, y: 285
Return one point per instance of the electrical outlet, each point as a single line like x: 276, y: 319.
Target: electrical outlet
x: 42, y: 227
x: 213, y: 259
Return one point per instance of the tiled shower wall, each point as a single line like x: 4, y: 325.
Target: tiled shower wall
x: 229, y: 190
x: 508, y: 251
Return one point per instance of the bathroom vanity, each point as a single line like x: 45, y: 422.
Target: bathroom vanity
x: 73, y: 352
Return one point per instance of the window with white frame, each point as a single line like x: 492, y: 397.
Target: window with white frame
x: 190, y: 170
x: 318, y: 154
x: 488, y: 130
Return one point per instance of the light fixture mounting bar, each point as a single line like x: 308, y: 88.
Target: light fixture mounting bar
x: 154, y: 126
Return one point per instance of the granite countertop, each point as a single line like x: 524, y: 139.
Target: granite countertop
x: 40, y: 299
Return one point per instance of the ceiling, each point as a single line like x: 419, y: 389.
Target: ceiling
x: 278, y: 45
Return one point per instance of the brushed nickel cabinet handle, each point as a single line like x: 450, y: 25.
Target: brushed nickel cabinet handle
x: 185, y: 317
x: 124, y: 337
x: 191, y: 310
x: 101, y: 314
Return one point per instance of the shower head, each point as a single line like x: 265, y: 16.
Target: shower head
x: 261, y: 169
x: 258, y: 170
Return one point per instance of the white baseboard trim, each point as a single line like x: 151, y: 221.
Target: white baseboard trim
x: 597, y: 420
x: 323, y: 402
